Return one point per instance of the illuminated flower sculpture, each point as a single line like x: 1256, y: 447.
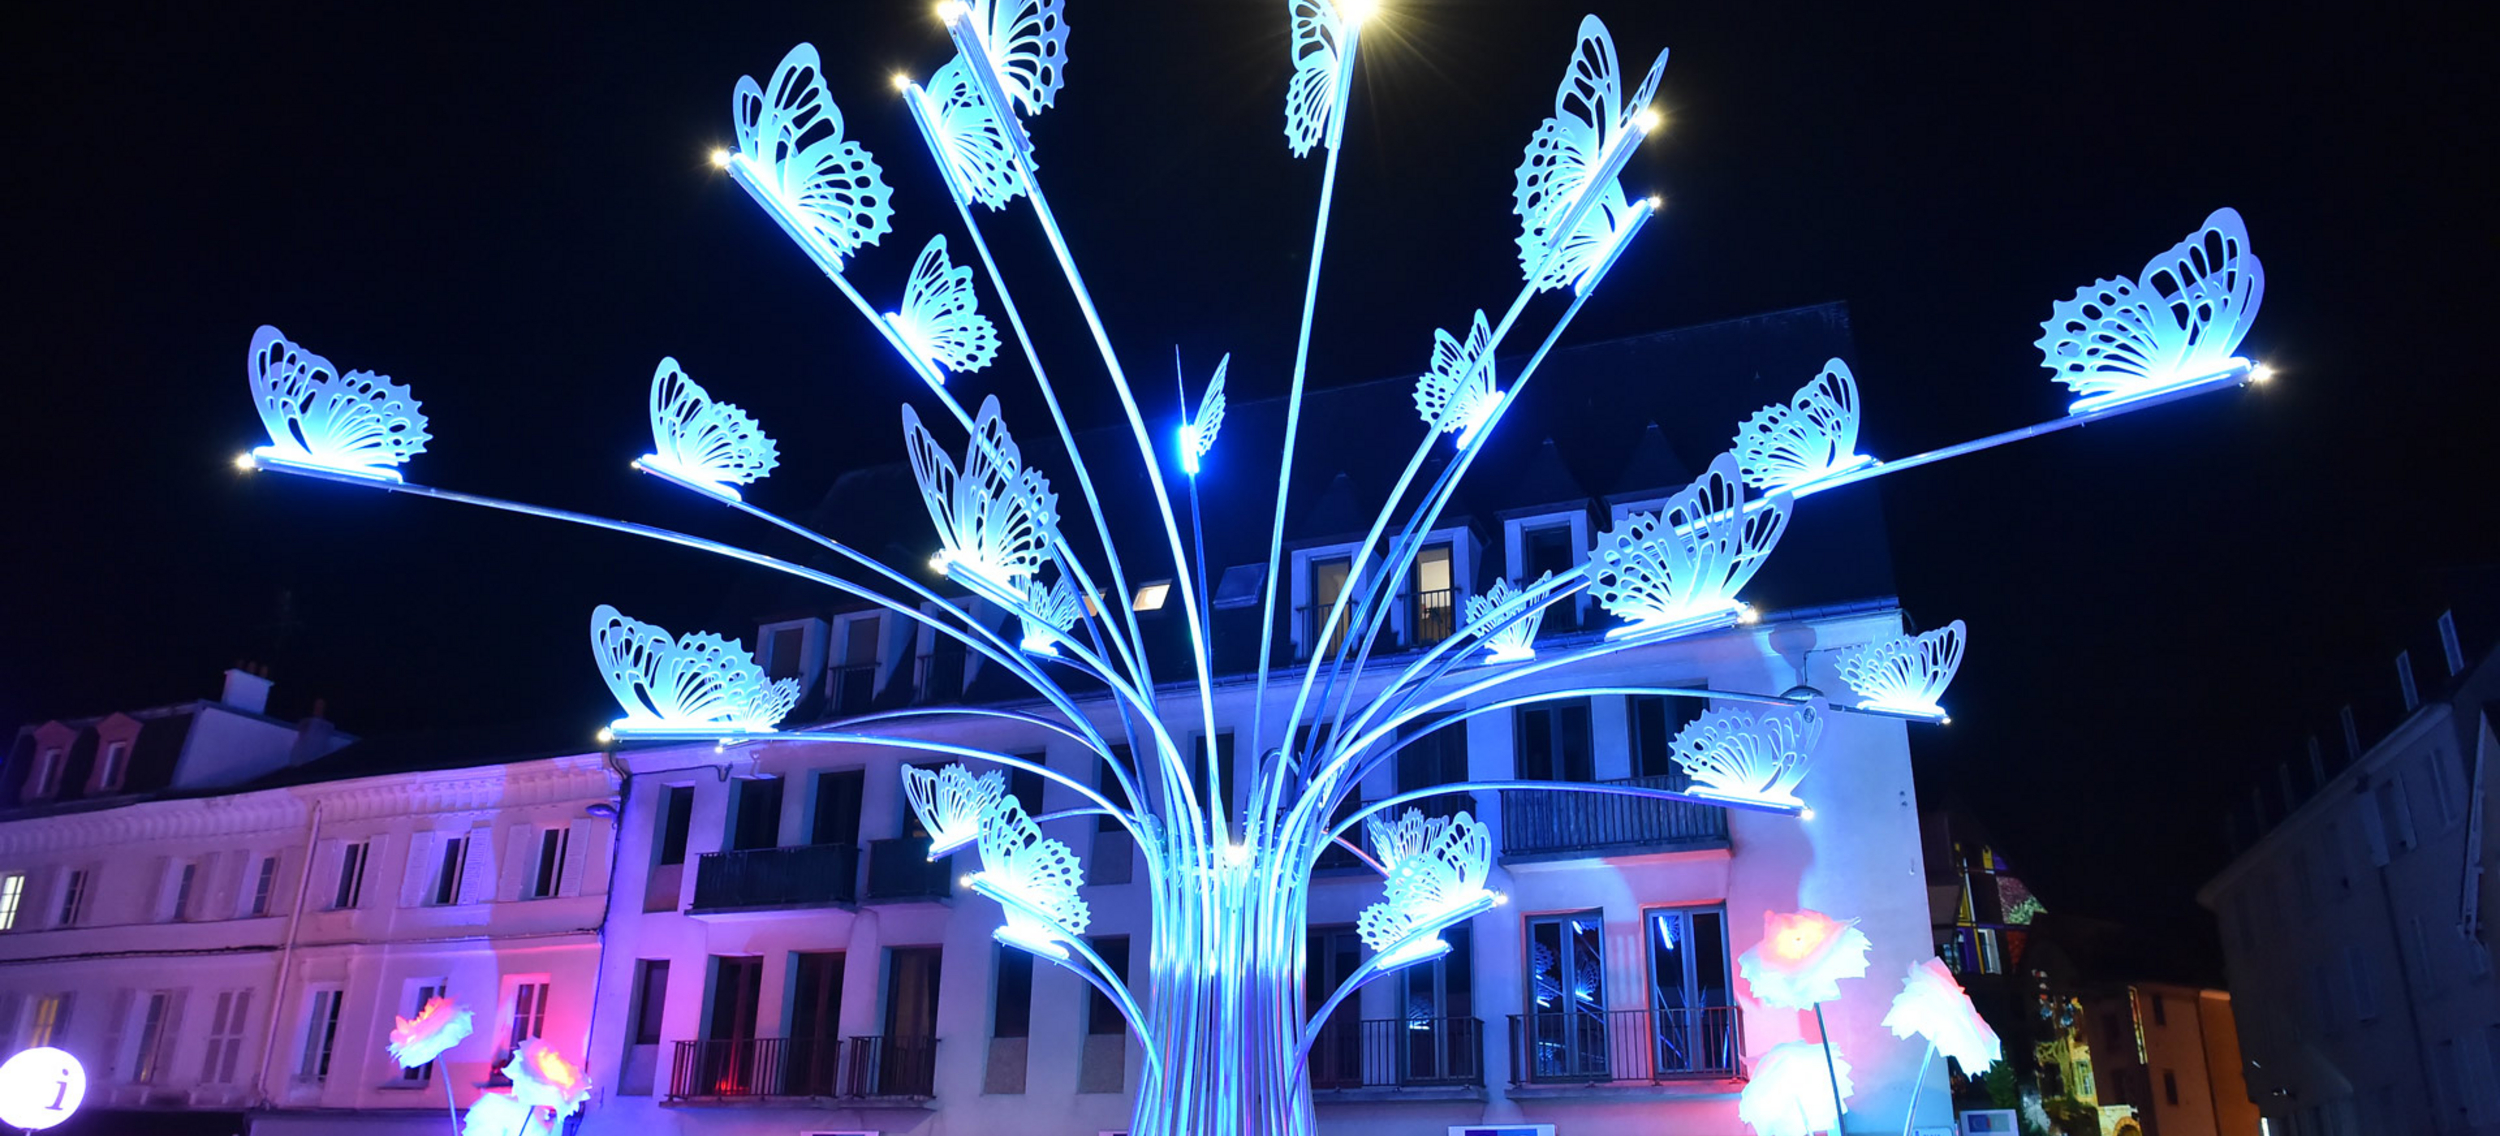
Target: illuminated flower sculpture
x: 544, y: 1078
x: 1802, y: 957
x: 1227, y: 865
x: 500, y: 1114
x: 1789, y: 1091
x: 417, y: 1041
x: 1933, y: 1005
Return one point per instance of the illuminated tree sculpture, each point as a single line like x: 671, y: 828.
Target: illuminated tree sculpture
x: 1219, y: 1010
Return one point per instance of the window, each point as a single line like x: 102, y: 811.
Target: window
x: 529, y: 1012
x: 2395, y: 818
x: 815, y: 1022
x: 73, y: 898
x: 1554, y: 742
x: 447, y: 873
x: 854, y: 683
x: 1435, y: 613
x: 549, y: 879
x: 838, y: 794
x: 351, y: 875
x: 1567, y: 996
x: 782, y: 650
x: 2364, y: 993
x: 758, y: 823
x: 2161, y: 1012
x: 12, y: 892
x: 2170, y: 1086
x: 2443, y: 791
x: 1440, y: 1041
x: 183, y: 889
x: 1102, y: 1015
x: 1546, y: 548
x: 416, y: 992
x: 650, y: 999
x: 1438, y: 757
x: 51, y: 1020
x: 321, y: 1033
x: 1655, y: 720
x: 1332, y: 955
x: 1984, y: 943
x: 676, y: 823
x: 155, y: 1033
x: 46, y: 779
x: 1114, y: 852
x: 1690, y: 995
x: 1328, y: 581
x: 112, y: 765
x: 1151, y: 595
x: 264, y: 885
x: 1011, y: 1015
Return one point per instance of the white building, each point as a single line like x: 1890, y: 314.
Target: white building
x: 2356, y: 926
x: 224, y: 958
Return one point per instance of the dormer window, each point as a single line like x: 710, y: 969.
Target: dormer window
x: 1546, y: 548
x: 853, y: 681
x: 45, y: 779
x: 110, y: 768
x: 1434, y: 616
x: 1328, y: 581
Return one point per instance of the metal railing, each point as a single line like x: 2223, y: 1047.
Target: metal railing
x: 900, y: 868
x: 1431, y: 617
x: 835, y: 1068
x: 1625, y: 1045
x: 1398, y: 1053
x: 937, y: 678
x: 1540, y: 823
x: 777, y: 877
x: 852, y: 688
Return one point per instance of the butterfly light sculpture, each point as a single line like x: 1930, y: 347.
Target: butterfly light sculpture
x: 1788, y: 1090
x: 696, y: 686
x: 703, y: 442
x: 1514, y: 641
x: 1679, y: 569
x: 2121, y: 339
x: 1034, y: 877
x: 996, y: 520
x: 822, y: 187
x: 1906, y: 674
x: 1790, y: 447
x: 1319, y: 31
x: 1410, y: 835
x: 1048, y: 609
x: 1025, y: 41
x: 941, y: 318
x: 1744, y: 755
x: 979, y: 154
x: 356, y: 423
x: 1572, y: 212
x: 1431, y: 888
x: 1198, y: 434
x: 417, y: 1041
x: 1457, y: 394
x: 950, y: 802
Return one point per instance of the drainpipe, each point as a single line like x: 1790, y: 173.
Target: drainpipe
x: 286, y: 958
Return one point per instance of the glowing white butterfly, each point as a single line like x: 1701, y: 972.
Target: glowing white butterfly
x: 1516, y: 641
x: 826, y: 186
x: 1430, y: 887
x: 1198, y: 434
x: 979, y: 155
x: 1319, y: 35
x: 1027, y: 41
x: 1687, y: 561
x: 950, y: 802
x: 2121, y: 339
x: 1457, y: 393
x: 1749, y: 757
x: 1908, y: 673
x: 1811, y: 437
x: 1037, y: 872
x: 1045, y: 609
x: 942, y: 318
x: 995, y: 518
x: 358, y: 422
x: 696, y: 684
x: 1409, y: 836
x: 700, y: 440
x: 1569, y: 159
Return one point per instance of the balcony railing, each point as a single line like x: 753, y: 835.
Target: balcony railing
x: 900, y: 868
x: 806, y: 876
x: 937, y: 678
x: 1540, y: 824
x: 1431, y: 617
x: 853, y: 688
x: 1625, y: 1045
x: 835, y: 1068
x: 1399, y: 1053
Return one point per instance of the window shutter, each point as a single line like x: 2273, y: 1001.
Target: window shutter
x: 420, y: 878
x: 520, y: 857
x: 118, y: 1022
x: 169, y: 1038
x: 477, y: 871
x: 586, y: 858
x: 325, y: 870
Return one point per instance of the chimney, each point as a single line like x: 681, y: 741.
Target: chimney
x: 246, y: 691
x: 312, y: 735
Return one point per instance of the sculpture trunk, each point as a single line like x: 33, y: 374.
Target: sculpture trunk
x: 1224, y: 1007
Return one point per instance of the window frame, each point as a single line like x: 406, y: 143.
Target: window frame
x: 354, y: 857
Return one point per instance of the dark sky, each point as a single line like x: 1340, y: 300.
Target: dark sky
x: 509, y: 209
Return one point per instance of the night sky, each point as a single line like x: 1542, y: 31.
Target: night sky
x: 510, y: 209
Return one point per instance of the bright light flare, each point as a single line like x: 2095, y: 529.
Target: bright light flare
x: 1359, y: 11
x: 245, y: 463
x: 2262, y: 372
x: 1649, y: 120
x: 902, y: 82
x: 951, y: 10
x: 720, y: 158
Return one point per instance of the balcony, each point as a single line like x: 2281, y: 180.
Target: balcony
x: 1625, y: 1046
x: 1410, y: 1053
x: 814, y: 875
x: 774, y: 1068
x: 1431, y: 617
x: 852, y: 688
x: 900, y: 869
x: 938, y: 678
x: 1559, y: 826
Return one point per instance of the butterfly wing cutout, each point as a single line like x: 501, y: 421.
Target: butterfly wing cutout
x: 1515, y: 640
x: 1311, y: 95
x: 1036, y: 870
x: 1447, y: 873
x: 941, y: 317
x: 1565, y: 157
x: 1691, y: 557
x: 950, y: 802
x: 1028, y: 45
x: 1457, y: 393
x: 703, y: 440
x: 2181, y: 320
x: 1813, y: 435
x: 793, y: 139
x: 993, y: 516
x: 698, y: 681
x: 355, y: 422
x: 1735, y: 753
x: 1906, y: 674
x: 978, y: 150
x: 1199, y: 433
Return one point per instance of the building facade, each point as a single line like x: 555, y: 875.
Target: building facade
x: 2355, y: 926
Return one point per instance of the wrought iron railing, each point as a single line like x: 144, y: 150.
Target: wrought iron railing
x: 1543, y: 823
x: 937, y: 678
x: 1625, y: 1045
x: 837, y: 1068
x: 900, y: 868
x: 852, y: 688
x: 1432, y: 617
x: 777, y: 877
x: 1398, y: 1053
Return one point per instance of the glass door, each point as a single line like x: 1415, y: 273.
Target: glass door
x: 1567, y: 997
x: 1438, y: 1041
x: 1694, y: 1030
